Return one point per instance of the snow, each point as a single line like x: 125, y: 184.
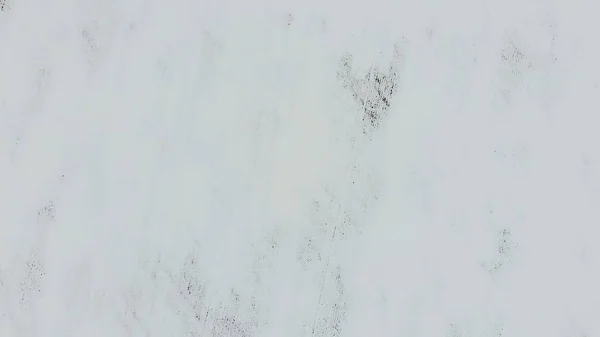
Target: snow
x: 307, y: 168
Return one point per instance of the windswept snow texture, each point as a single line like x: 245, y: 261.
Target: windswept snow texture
x: 268, y: 168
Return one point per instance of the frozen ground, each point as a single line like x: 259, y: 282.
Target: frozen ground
x: 306, y: 168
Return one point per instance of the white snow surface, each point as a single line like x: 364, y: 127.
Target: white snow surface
x: 204, y: 168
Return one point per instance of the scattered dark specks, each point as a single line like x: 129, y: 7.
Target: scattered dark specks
x: 505, y: 246
x: 339, y: 284
x: 454, y: 331
x: 514, y: 66
x: 505, y: 242
x: 374, y: 91
x: 515, y: 157
x: 192, y: 290
x: 512, y: 55
x: 90, y: 43
x: 339, y: 309
x: 330, y: 319
x: 345, y: 226
x: 43, y: 75
x: 234, y: 301
x: 514, y: 58
x: 235, y: 296
x: 253, y: 309
x: 192, y: 287
x: 290, y: 19
x: 273, y: 242
x: 31, y: 283
x: 131, y: 299
x: 232, y: 327
x: 308, y: 252
x: 267, y: 250
x: 47, y: 212
x: 87, y: 36
x: 4, y: 6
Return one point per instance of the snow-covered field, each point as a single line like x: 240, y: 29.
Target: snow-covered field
x: 299, y: 168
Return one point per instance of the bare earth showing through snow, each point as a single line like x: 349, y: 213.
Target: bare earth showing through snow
x: 285, y: 169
